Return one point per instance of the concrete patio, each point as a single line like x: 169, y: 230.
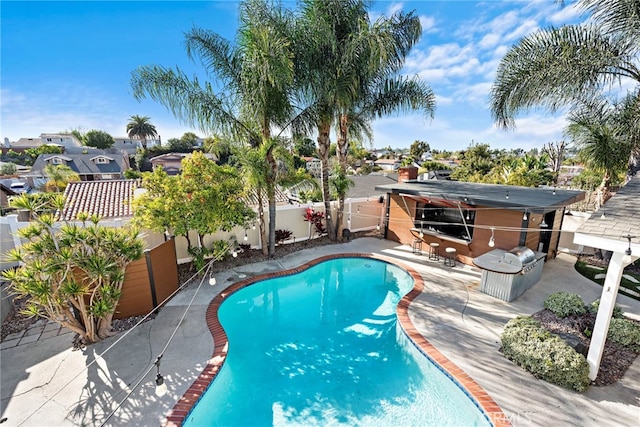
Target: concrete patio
x: 44, y: 382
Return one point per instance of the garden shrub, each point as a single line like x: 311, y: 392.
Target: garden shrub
x: 564, y: 304
x: 625, y: 332
x: 545, y: 355
x: 282, y: 235
x: 617, y: 311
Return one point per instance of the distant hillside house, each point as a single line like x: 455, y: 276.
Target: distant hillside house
x: 60, y: 139
x: 171, y: 163
x: 313, y: 166
x: 388, y: 164
x: 90, y: 165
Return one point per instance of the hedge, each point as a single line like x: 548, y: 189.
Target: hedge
x: 564, y: 304
x: 526, y: 343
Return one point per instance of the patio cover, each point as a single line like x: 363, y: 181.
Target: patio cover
x: 616, y: 228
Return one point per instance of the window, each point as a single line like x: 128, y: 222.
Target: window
x: 101, y: 160
x: 107, y: 176
x: 452, y: 221
x: 56, y: 161
x: 48, y: 139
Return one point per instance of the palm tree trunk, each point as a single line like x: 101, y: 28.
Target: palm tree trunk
x: 271, y: 195
x: 324, y: 144
x: 342, y: 152
x: 263, y: 233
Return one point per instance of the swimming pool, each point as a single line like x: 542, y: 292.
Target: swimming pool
x: 323, y: 346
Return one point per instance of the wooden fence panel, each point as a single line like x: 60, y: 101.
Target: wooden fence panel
x: 136, y: 291
x: 165, y: 270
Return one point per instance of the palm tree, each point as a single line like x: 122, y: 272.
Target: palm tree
x: 382, y: 91
x: 255, y: 76
x: 350, y: 75
x: 565, y: 66
x: 60, y: 176
x: 140, y: 127
x: 600, y: 132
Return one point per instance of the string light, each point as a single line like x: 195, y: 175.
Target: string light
x: 492, y: 241
x: 628, y: 250
x: 245, y: 236
x: 161, y: 386
x: 525, y: 217
x: 507, y: 196
x: 604, y: 214
x: 468, y: 218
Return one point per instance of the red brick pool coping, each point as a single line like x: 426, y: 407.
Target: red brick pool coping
x: 482, y: 399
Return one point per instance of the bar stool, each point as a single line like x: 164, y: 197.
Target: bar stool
x: 417, y: 246
x: 434, y: 251
x: 450, y: 257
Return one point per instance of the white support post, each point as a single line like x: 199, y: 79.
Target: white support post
x: 605, y: 310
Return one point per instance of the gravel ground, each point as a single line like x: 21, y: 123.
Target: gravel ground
x: 616, y: 359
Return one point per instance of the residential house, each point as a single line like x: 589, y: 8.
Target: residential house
x: 90, y: 164
x: 388, y: 164
x: 313, y: 166
x: 5, y: 194
x: 64, y: 140
x: 126, y: 145
x: 171, y: 163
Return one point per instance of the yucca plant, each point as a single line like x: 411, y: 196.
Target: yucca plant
x: 71, y: 274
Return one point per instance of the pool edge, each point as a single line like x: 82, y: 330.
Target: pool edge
x: 193, y: 394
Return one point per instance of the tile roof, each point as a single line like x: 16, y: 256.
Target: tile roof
x: 107, y: 199
x: 621, y: 215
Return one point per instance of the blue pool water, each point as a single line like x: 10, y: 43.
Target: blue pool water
x: 322, y: 347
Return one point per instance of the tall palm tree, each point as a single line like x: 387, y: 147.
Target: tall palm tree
x: 140, y: 127
x: 351, y: 75
x: 382, y: 91
x: 254, y: 74
x: 566, y: 66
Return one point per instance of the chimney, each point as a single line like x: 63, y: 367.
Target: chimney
x: 407, y: 173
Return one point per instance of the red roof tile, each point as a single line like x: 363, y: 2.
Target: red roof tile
x: 107, y: 199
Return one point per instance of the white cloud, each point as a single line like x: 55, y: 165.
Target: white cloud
x: 525, y: 28
x: 443, y: 100
x: 489, y: 40
x: 569, y: 13
x: 428, y: 23
x: 394, y: 7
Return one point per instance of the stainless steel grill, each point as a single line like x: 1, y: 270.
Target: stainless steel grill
x: 508, y: 274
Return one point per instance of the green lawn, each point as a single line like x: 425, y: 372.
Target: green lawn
x: 627, y: 287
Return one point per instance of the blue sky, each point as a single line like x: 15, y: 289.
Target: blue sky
x: 67, y: 65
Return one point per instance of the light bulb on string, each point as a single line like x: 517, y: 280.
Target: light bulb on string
x: 161, y: 386
x: 492, y: 241
x: 245, y: 238
x: 468, y: 218
x: 525, y: 217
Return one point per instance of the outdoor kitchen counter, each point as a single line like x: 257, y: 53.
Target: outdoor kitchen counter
x: 494, y: 261
x: 508, y: 274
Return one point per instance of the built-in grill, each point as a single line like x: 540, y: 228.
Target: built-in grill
x: 508, y: 274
